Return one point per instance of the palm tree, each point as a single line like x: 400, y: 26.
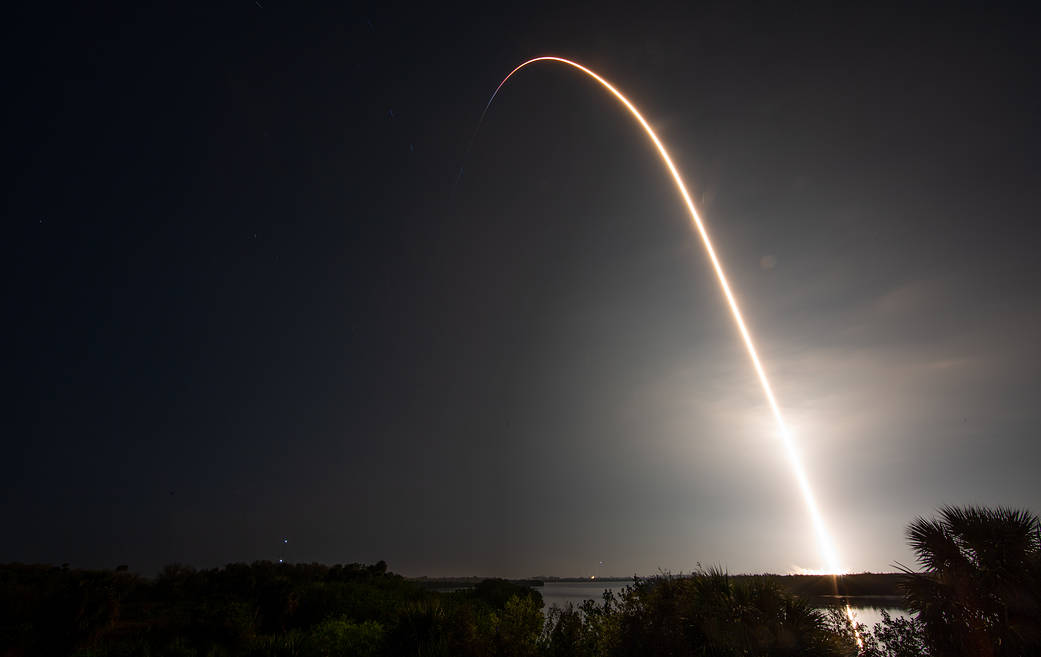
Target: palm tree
x: 980, y: 590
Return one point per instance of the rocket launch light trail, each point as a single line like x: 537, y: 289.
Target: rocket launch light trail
x: 824, y: 542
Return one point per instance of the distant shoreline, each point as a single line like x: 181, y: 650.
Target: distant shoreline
x: 860, y: 586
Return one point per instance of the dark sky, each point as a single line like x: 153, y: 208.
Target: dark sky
x: 244, y: 302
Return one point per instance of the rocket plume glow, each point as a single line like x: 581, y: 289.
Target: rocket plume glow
x: 824, y: 542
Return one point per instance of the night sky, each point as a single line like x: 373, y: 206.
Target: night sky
x: 246, y: 299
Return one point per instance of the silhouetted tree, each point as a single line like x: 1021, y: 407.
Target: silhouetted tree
x: 980, y: 592
x: 707, y: 614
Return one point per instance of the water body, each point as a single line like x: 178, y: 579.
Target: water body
x: 563, y: 593
x: 869, y: 614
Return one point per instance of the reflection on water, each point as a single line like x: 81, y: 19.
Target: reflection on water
x: 870, y: 614
x: 562, y: 593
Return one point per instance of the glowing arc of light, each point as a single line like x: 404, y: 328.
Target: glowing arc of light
x: 823, y: 539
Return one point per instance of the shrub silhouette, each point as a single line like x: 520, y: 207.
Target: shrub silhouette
x: 705, y: 614
x: 980, y: 592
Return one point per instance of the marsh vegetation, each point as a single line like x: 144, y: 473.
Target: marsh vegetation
x: 977, y: 592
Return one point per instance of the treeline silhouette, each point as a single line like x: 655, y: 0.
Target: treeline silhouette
x: 883, y: 585
x: 978, y: 593
x: 262, y: 608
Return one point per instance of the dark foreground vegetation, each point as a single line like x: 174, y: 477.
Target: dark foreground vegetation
x: 979, y: 593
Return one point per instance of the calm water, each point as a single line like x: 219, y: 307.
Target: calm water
x: 871, y: 614
x: 561, y: 593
